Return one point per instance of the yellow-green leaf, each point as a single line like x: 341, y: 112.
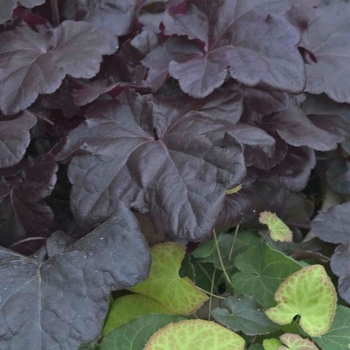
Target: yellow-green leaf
x: 279, y: 231
x: 271, y: 344
x: 179, y: 295
x: 127, y: 307
x: 310, y: 294
x: 195, y: 335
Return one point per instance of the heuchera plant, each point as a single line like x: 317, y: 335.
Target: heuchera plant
x: 125, y: 123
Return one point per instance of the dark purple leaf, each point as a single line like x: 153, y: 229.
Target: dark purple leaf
x: 158, y: 159
x: 62, y: 302
x: 158, y: 59
x: 338, y: 175
x: 259, y: 159
x: 287, y: 205
x: 85, y: 93
x: 333, y: 225
x: 62, y: 99
x: 33, y: 64
x: 294, y: 171
x: 8, y: 5
x: 323, y: 105
x: 328, y: 38
x: 115, y: 17
x: 145, y: 42
x: 25, y: 213
x: 340, y: 265
x: 239, y: 208
x: 235, y: 36
x: 264, y: 101
x: 15, y: 138
x: 226, y: 104
x: 297, y: 129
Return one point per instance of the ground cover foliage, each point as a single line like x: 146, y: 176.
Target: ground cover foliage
x: 162, y: 161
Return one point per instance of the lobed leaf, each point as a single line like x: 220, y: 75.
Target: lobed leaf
x: 63, y: 301
x: 173, y: 163
x: 261, y: 277
x: 234, y: 37
x: 39, y: 63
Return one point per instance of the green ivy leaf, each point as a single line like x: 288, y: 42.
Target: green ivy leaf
x: 207, y: 252
x: 279, y: 231
x: 135, y: 334
x: 195, y: 335
x: 338, y: 337
x: 127, y: 307
x: 245, y: 315
x: 310, y: 294
x: 263, y: 269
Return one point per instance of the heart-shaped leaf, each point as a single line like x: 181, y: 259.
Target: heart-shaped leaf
x: 279, y: 231
x: 310, y: 294
x: 195, y: 335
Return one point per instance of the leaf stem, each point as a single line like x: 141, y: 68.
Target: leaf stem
x: 55, y: 14
x: 26, y: 240
x: 233, y: 243
x: 212, y: 294
x: 220, y: 258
